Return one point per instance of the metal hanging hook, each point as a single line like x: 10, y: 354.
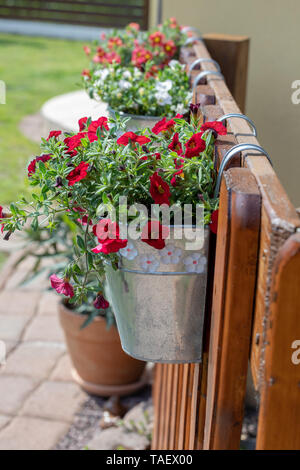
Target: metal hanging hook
x: 204, y: 74
x: 186, y: 29
x: 193, y: 39
x: 241, y: 116
x: 199, y: 61
x: 230, y: 154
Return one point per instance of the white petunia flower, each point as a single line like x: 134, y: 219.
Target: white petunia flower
x: 102, y: 74
x: 164, y: 86
x: 124, y: 85
x: 170, y: 254
x: 149, y: 263
x: 127, y: 75
x: 163, y: 98
x: 195, y: 263
x: 129, y: 252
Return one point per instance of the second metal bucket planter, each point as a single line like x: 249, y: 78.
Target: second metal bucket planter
x: 136, y: 122
x: 158, y: 297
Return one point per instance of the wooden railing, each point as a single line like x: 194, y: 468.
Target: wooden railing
x: 254, y: 299
x: 112, y: 13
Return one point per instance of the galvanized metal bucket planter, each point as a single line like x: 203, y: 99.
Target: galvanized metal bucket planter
x: 136, y: 122
x: 158, y: 297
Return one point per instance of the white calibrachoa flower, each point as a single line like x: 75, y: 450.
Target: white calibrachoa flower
x: 165, y: 86
x: 170, y: 254
x: 127, y: 75
x: 149, y: 263
x: 163, y: 98
x: 195, y: 263
x: 102, y: 74
x: 124, y: 84
x: 129, y: 252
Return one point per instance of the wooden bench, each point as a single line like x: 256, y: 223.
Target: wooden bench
x: 253, y: 306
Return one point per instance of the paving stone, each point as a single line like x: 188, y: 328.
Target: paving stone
x: 12, y: 326
x: 140, y: 416
x: 114, y: 438
x: 14, y: 391
x: 44, y: 328
x: 15, y: 282
x: 62, y: 370
x: 4, y: 420
x: 48, y: 304
x: 19, y: 303
x: 31, y: 434
x: 35, y: 359
x: 54, y: 400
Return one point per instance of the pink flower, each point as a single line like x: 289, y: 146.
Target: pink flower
x: 62, y: 286
x: 100, y: 302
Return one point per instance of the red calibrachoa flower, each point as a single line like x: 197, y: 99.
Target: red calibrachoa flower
x: 154, y: 234
x: 53, y: 134
x: 87, y: 50
x: 216, y: 126
x: 2, y: 216
x: 32, y: 165
x: 163, y: 126
x: 101, y: 122
x: 157, y: 38
x: 114, y: 42
x: 108, y: 235
x: 62, y: 286
x: 100, y: 302
x: 79, y: 173
x: 170, y: 48
x: 129, y: 137
x: 112, y: 58
x: 214, y: 221
x: 140, y: 55
x: 73, y: 142
x: 82, y: 123
x: 135, y: 26
x: 159, y: 190
x: 155, y: 155
x: 174, y: 177
x: 86, y: 73
x: 175, y: 145
x: 194, y: 146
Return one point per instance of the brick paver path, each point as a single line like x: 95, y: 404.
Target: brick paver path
x: 38, y: 398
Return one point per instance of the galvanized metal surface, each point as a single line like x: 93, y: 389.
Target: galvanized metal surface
x: 158, y: 297
x: 136, y: 122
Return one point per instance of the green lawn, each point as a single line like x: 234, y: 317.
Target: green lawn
x: 34, y: 70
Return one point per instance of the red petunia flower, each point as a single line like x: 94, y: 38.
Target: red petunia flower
x: 156, y: 155
x: 163, y: 125
x: 194, y: 146
x: 79, y: 173
x: 108, y: 235
x: 114, y: 42
x: 216, y: 126
x: 86, y: 73
x: 101, y: 122
x: 154, y: 234
x: 82, y: 122
x: 128, y: 137
x: 100, y: 302
x: 62, y: 286
x: 157, y: 38
x: 175, y: 145
x: 159, y: 190
x: 214, y: 221
x: 53, y: 134
x: 32, y: 165
x: 140, y: 55
x: 170, y: 48
x: 73, y: 142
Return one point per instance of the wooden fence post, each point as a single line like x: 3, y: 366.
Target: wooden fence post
x: 279, y: 413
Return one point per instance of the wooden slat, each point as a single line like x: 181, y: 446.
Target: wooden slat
x: 157, y: 404
x: 235, y: 274
x: 279, y: 414
x: 231, y: 52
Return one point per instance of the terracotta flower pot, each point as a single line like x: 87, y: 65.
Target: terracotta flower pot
x: 99, y: 364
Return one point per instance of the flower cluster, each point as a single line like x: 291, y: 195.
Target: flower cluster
x: 125, y: 89
x: 79, y: 174
x: 134, y: 47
